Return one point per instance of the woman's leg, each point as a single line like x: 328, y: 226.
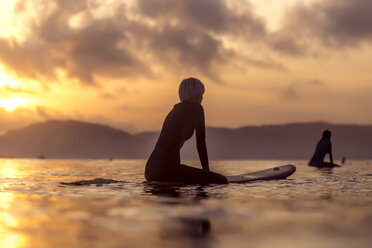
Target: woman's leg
x: 188, y: 174
x: 315, y: 163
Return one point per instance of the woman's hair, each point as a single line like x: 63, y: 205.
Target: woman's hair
x: 326, y: 134
x: 190, y: 89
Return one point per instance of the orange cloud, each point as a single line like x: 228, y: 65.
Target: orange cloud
x: 179, y: 36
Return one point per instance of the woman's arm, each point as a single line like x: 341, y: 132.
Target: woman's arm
x: 200, y: 139
x: 330, y: 153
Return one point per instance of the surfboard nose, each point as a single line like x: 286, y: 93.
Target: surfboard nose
x: 290, y: 167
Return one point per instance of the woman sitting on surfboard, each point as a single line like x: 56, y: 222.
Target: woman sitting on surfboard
x: 323, y: 147
x: 164, y: 164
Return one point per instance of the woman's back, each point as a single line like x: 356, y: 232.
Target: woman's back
x: 179, y: 126
x: 323, y: 147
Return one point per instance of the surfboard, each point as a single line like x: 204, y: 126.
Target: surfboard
x: 96, y: 181
x: 275, y: 173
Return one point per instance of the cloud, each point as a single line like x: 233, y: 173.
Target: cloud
x: 332, y: 23
x: 22, y: 116
x: 93, y: 40
x: 286, y: 43
x: 268, y: 63
x: 302, y: 88
x: 205, y: 15
x: 127, y: 40
x: 106, y: 95
x: 130, y: 108
x: 17, y: 118
x: 317, y: 82
x: 18, y: 90
x: 290, y: 94
x: 97, y: 48
x: 186, y: 47
x: 46, y: 113
x: 188, y: 33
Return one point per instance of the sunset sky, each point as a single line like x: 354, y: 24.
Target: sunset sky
x: 120, y: 62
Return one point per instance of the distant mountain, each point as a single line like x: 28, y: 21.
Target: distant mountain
x: 289, y: 141
x: 71, y: 139
x: 74, y: 139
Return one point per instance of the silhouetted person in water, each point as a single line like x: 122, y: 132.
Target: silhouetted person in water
x: 343, y: 160
x: 186, y: 117
x: 323, y: 147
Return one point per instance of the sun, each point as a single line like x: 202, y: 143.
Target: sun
x: 9, y: 104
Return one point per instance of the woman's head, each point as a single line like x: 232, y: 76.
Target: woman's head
x: 191, y: 89
x: 326, y: 134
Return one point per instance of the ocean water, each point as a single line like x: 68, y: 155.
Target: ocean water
x: 312, y: 208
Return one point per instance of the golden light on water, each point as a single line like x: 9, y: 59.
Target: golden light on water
x: 9, y: 222
x: 11, y: 169
x: 9, y: 238
x: 9, y: 172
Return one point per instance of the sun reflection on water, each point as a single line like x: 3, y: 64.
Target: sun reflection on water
x: 11, y: 169
x: 11, y: 240
x: 8, y: 223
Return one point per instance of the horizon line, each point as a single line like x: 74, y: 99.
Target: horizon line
x: 221, y: 127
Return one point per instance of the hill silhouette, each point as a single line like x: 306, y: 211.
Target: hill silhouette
x: 70, y: 139
x: 75, y: 139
